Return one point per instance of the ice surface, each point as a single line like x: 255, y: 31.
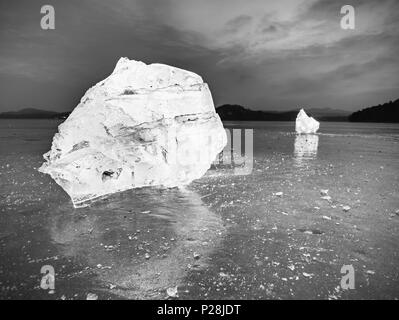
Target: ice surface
x: 229, y: 216
x: 144, y: 125
x: 306, y: 124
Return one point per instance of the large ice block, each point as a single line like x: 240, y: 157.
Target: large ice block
x: 144, y: 125
x: 306, y: 124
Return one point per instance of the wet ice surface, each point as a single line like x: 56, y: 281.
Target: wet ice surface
x: 272, y: 234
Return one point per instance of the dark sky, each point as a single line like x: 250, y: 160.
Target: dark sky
x: 262, y: 54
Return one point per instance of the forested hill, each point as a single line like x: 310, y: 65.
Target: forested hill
x: 229, y: 112
x: 387, y: 112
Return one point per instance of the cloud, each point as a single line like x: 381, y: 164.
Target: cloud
x: 271, y: 55
x: 237, y: 23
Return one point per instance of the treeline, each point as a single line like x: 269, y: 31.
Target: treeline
x: 30, y: 113
x: 387, y: 112
x: 235, y: 112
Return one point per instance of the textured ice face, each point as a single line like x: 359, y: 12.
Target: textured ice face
x: 306, y: 124
x: 144, y: 125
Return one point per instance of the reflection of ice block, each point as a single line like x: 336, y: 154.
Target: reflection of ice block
x: 305, y: 124
x: 306, y: 146
x: 176, y: 211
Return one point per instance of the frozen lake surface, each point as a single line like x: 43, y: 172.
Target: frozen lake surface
x: 225, y: 235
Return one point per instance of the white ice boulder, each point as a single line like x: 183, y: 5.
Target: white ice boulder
x: 144, y: 125
x: 306, y: 124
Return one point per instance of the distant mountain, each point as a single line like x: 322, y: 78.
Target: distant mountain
x: 229, y: 112
x: 329, y: 114
x: 239, y: 113
x: 30, y: 113
x: 387, y: 112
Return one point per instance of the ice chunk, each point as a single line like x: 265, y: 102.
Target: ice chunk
x: 305, y: 124
x: 144, y: 125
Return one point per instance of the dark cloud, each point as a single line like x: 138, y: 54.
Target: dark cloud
x: 237, y: 23
x: 268, y: 29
